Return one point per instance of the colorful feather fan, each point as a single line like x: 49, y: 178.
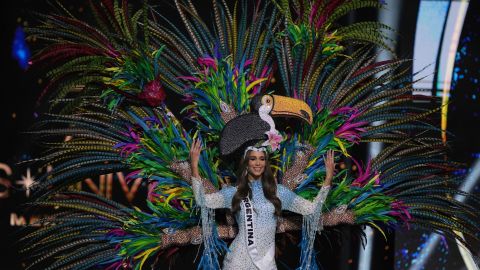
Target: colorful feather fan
x: 128, y: 63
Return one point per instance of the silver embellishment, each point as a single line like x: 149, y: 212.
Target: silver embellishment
x: 341, y: 209
x: 196, y: 240
x: 224, y: 107
x: 300, y: 178
x: 256, y: 149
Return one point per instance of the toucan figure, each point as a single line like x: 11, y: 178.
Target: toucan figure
x: 255, y: 125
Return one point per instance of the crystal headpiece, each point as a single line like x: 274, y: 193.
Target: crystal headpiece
x: 253, y: 148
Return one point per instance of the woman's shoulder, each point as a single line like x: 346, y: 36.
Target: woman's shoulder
x: 227, y: 189
x: 282, y: 189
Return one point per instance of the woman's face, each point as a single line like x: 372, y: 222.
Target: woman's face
x: 256, y: 164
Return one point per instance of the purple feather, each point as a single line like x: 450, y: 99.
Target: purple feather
x: 364, y: 176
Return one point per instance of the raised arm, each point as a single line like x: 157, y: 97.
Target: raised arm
x: 220, y: 199
x: 294, y: 203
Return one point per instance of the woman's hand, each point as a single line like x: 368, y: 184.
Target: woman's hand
x: 195, y: 149
x: 329, y: 167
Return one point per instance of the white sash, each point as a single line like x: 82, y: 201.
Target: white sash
x: 266, y: 262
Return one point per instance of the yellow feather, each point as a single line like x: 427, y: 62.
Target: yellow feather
x: 380, y: 230
x: 145, y: 255
x: 342, y: 146
x: 255, y: 83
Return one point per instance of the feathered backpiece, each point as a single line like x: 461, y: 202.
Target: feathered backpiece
x: 112, y: 83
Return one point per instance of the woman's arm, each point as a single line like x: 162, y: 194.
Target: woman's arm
x: 220, y: 199
x: 294, y: 203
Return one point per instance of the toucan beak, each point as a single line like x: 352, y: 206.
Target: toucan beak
x: 291, y: 107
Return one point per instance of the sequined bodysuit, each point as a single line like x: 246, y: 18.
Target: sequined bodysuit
x: 266, y: 222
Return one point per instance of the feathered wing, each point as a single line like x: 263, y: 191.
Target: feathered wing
x: 142, y: 141
x: 357, y: 100
x: 108, y: 82
x: 112, y: 127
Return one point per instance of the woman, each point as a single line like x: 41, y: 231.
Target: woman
x: 257, y: 202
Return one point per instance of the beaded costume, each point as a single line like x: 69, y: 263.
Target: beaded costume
x: 238, y: 257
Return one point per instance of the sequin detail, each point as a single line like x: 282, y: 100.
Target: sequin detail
x: 238, y: 258
x: 294, y: 174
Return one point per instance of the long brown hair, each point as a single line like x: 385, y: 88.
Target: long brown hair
x: 269, y: 185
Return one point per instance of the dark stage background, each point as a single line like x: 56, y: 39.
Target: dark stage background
x: 338, y: 248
